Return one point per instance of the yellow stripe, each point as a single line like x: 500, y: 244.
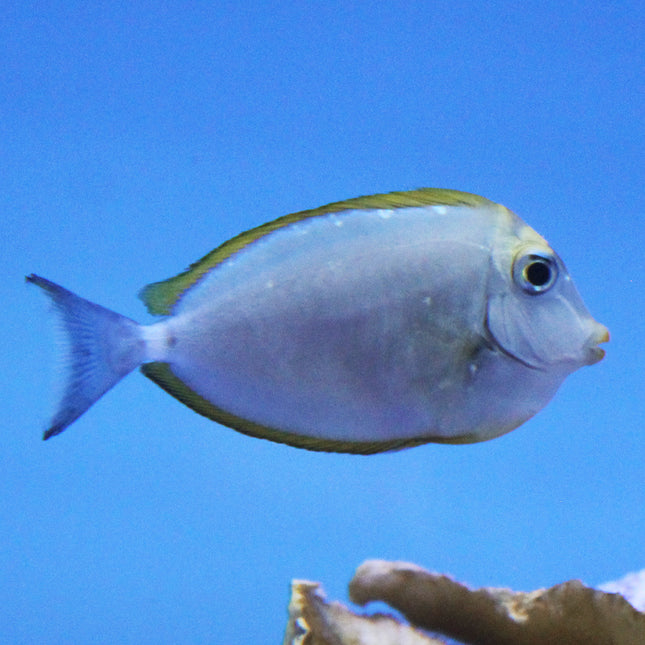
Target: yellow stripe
x: 160, y: 297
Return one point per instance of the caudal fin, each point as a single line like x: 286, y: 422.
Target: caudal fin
x: 100, y: 348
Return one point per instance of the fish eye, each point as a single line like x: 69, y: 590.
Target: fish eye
x: 535, y: 272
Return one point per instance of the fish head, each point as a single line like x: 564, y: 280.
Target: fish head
x: 535, y: 314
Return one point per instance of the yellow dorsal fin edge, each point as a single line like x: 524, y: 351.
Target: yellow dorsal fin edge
x: 160, y: 297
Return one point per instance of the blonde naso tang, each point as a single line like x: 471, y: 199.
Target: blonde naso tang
x: 366, y: 325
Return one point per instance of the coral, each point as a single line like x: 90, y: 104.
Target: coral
x: 631, y: 586
x: 314, y: 621
x: 568, y: 613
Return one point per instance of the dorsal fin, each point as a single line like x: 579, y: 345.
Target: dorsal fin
x: 160, y: 297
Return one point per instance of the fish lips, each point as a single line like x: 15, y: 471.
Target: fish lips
x: 598, y: 336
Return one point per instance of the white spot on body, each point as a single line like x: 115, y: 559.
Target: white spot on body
x: 440, y: 210
x: 445, y: 383
x: 385, y: 214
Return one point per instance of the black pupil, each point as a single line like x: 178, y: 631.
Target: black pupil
x: 538, y: 273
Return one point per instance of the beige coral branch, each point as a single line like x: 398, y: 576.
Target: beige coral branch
x: 567, y: 614
x: 313, y: 621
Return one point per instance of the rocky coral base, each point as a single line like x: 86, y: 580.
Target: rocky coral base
x: 569, y: 613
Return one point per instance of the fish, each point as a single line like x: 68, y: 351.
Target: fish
x: 367, y: 325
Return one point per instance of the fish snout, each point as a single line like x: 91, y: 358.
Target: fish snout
x: 599, y: 335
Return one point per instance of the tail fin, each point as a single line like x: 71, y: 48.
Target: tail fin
x: 101, y: 348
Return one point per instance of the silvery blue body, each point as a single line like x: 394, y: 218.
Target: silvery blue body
x: 375, y: 325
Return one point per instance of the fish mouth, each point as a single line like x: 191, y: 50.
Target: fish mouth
x: 600, y: 335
